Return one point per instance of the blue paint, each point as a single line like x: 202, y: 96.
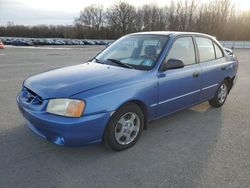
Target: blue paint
x: 105, y: 87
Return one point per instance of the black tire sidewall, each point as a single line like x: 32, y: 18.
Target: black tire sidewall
x: 215, y: 101
x: 109, y: 135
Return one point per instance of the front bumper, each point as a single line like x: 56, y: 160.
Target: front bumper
x: 64, y: 130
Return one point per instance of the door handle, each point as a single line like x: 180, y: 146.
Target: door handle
x: 223, y: 68
x: 196, y: 74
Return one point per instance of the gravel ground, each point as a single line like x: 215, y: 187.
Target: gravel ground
x: 197, y: 147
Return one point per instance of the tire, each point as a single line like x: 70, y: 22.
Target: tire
x: 124, y: 127
x: 220, y: 96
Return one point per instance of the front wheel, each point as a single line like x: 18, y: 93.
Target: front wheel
x: 220, y: 96
x: 124, y: 127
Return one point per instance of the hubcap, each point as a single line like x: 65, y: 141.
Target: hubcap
x: 127, y: 128
x: 222, y: 94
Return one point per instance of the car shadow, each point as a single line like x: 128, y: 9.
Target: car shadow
x: 172, y: 152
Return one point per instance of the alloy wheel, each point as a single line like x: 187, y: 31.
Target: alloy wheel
x: 127, y: 128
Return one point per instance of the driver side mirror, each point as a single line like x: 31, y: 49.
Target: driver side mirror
x: 172, y: 64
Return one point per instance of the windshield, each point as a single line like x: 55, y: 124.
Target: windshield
x: 136, y: 51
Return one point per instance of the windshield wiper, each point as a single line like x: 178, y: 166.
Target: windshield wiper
x: 121, y: 63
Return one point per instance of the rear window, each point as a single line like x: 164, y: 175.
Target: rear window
x: 205, y: 48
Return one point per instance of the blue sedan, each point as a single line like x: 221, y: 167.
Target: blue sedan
x: 137, y: 79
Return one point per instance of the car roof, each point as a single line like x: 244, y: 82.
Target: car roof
x: 171, y: 33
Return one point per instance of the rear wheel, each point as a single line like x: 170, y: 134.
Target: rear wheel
x: 124, y: 127
x: 221, y: 95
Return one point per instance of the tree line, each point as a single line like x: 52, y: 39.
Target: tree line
x: 218, y: 18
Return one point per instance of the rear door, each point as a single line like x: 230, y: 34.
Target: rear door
x: 179, y: 88
x: 213, y: 66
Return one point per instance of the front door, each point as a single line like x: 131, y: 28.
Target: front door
x: 179, y: 88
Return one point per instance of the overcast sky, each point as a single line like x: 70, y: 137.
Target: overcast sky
x: 33, y: 12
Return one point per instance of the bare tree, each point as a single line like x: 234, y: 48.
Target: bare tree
x: 91, y: 16
x: 121, y: 18
x: 152, y: 17
x: 217, y: 17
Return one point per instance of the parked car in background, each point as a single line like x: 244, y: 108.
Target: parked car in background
x: 139, y: 78
x: 22, y: 42
x: 16, y: 41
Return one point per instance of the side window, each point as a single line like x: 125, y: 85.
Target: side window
x: 183, y: 49
x: 218, y: 51
x: 205, y: 48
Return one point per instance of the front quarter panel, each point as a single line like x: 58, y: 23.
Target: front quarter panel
x: 111, y: 97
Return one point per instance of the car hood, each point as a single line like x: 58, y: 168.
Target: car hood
x: 68, y: 81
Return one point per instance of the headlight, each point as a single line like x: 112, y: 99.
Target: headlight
x: 66, y: 107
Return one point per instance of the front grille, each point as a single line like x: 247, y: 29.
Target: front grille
x: 29, y: 96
